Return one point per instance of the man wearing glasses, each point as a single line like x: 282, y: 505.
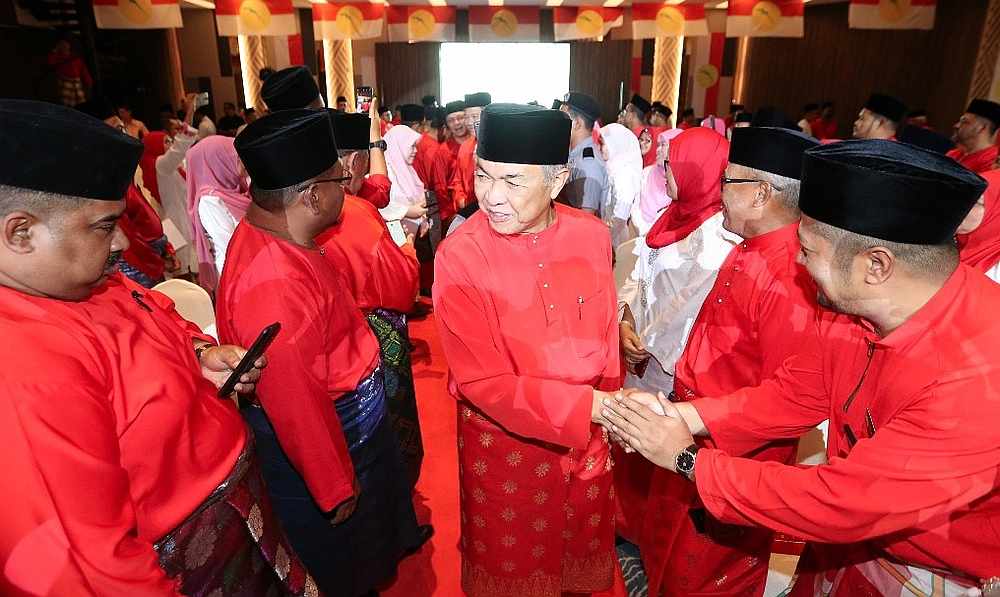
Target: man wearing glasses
x: 756, y: 315
x: 321, y: 423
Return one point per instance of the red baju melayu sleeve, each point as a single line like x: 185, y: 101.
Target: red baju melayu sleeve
x: 424, y: 160
x: 442, y: 169
x: 760, y: 311
x: 914, y: 447
x: 380, y: 274
x: 323, y: 350
x: 462, y: 177
x: 112, y: 438
x: 375, y: 190
x: 529, y: 327
x: 979, y: 161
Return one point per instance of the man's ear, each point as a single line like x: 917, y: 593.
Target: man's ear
x: 17, y: 232
x: 559, y: 183
x: 880, y: 263
x: 310, y: 200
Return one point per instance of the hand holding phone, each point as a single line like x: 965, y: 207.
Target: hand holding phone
x: 256, y: 351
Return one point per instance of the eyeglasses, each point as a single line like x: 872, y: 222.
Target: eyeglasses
x: 341, y: 180
x: 726, y: 181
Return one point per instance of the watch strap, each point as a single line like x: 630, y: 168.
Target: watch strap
x: 380, y: 144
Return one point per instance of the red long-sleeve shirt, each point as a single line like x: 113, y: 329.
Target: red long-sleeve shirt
x: 324, y: 349
x: 979, y: 161
x: 462, y: 184
x: 760, y: 311
x: 379, y: 273
x: 442, y: 169
x: 529, y: 325
x: 375, y: 190
x: 920, y: 482
x: 112, y: 438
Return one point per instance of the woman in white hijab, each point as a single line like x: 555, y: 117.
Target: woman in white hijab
x: 406, y: 213
x: 623, y: 159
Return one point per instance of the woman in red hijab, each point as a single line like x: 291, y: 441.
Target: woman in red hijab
x: 979, y: 234
x: 647, y: 142
x: 675, y: 269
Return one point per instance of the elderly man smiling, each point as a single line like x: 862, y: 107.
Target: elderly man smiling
x: 525, y: 301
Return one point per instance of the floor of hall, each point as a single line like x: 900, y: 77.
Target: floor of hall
x: 435, y: 569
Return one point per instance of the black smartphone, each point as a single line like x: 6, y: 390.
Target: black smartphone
x: 246, y: 363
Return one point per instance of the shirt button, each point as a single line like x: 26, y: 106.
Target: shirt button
x: 540, y: 265
x: 728, y: 284
x: 546, y: 285
x: 552, y: 306
x: 719, y: 300
x: 735, y: 269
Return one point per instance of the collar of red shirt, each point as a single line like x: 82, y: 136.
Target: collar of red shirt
x: 531, y: 240
x: 933, y: 314
x: 776, y: 237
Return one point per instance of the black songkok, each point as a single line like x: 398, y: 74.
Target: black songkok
x: 744, y: 117
x: 887, y: 190
x: 520, y: 134
x: 640, y: 103
x: 352, y: 131
x: 452, y: 107
x: 775, y: 150
x: 987, y: 109
x: 583, y: 103
x: 926, y: 139
x: 661, y: 109
x: 887, y: 106
x: 287, y: 148
x: 478, y: 100
x: 289, y: 88
x: 55, y: 149
x: 411, y: 113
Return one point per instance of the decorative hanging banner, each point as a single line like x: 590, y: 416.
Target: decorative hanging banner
x: 255, y: 17
x: 891, y: 14
x: 504, y: 23
x: 585, y: 22
x: 347, y: 21
x: 668, y: 20
x: 421, y: 23
x: 137, y: 14
x: 765, y: 18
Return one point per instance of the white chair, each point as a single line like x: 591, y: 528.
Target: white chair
x: 192, y: 303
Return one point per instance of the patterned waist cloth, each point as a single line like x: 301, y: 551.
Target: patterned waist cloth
x: 232, y: 545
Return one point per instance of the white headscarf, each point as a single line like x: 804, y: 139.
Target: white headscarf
x: 624, y: 167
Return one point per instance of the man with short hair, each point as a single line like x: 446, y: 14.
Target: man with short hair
x: 461, y: 184
x: 446, y: 156
x: 688, y: 119
x: 880, y: 118
x: 230, y: 121
x: 121, y: 462
x: 341, y: 104
x: 906, y: 370
x: 412, y: 116
x: 588, y: 175
x: 330, y: 457
x: 525, y: 304
x: 133, y: 126
x: 760, y: 311
x: 636, y: 113
x: 975, y: 136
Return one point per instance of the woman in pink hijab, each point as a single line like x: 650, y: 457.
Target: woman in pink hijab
x: 653, y: 197
x: 218, y: 196
x: 406, y: 213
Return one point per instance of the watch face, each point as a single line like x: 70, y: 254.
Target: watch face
x: 685, y: 462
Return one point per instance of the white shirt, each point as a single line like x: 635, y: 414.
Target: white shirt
x: 665, y: 292
x: 994, y: 273
x: 219, y: 225
x: 173, y: 194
